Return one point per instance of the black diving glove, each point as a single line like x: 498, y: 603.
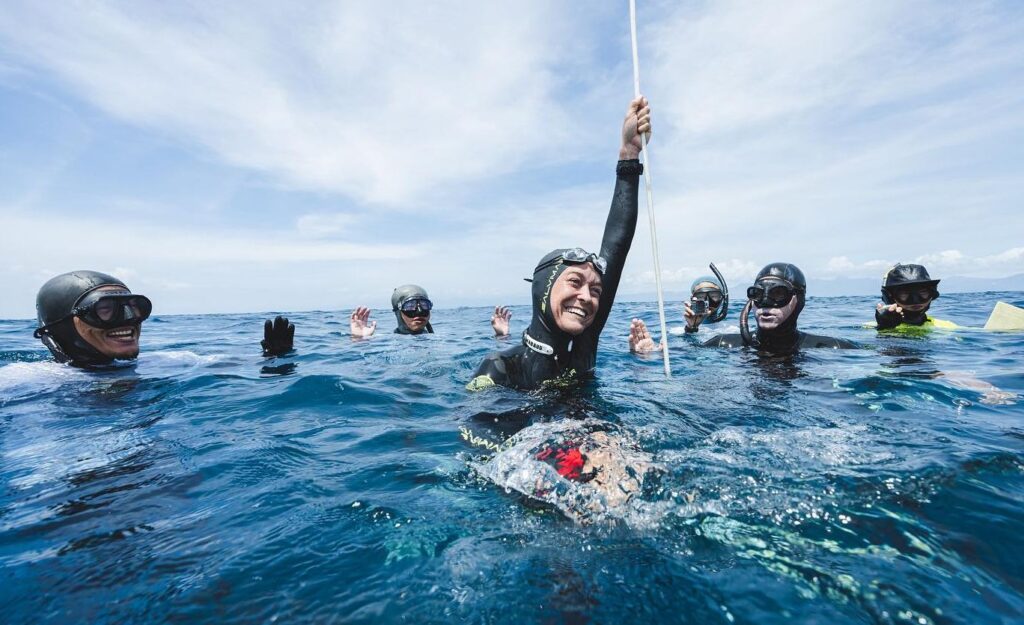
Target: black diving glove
x: 887, y: 319
x: 277, y: 336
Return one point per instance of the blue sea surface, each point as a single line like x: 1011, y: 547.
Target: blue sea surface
x: 205, y: 484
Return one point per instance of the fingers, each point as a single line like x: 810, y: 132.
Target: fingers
x: 361, y: 314
x: 280, y: 325
x: 268, y: 331
x: 636, y: 105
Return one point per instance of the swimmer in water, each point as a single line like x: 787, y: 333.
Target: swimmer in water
x: 573, y: 289
x: 776, y: 297
x: 411, y: 306
x: 709, y: 300
x: 907, y: 293
x: 410, y: 303
x: 88, y: 318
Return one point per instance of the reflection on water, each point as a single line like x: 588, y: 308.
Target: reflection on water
x: 359, y: 482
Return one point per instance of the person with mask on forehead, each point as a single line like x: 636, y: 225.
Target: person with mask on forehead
x: 573, y: 289
x: 88, y: 318
x: 776, y: 298
x: 907, y: 294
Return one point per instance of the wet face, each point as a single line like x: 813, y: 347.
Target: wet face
x: 771, y: 318
x: 575, y: 297
x: 121, y: 342
x: 416, y: 323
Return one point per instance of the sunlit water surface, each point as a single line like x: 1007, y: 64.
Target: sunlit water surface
x: 204, y: 484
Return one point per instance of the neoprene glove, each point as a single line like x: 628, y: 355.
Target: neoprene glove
x: 886, y: 319
x: 277, y: 336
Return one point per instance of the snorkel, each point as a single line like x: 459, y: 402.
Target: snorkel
x: 784, y: 337
x: 723, y: 309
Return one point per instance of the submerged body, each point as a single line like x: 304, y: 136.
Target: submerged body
x: 800, y: 340
x: 587, y: 469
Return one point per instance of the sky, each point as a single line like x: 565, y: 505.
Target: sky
x: 270, y: 156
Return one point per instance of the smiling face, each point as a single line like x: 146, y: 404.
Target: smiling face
x: 771, y: 318
x: 415, y: 323
x: 575, y: 297
x: 121, y: 342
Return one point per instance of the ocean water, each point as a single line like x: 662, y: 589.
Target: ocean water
x: 348, y: 483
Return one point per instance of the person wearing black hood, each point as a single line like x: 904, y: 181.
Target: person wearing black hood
x: 907, y: 293
x: 411, y: 306
x: 88, y: 318
x: 573, y: 290
x: 776, y: 297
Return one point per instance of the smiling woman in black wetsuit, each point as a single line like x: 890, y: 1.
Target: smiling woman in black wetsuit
x: 573, y: 290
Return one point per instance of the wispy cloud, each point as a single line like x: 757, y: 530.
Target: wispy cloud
x: 320, y: 151
x: 1007, y: 262
x: 378, y: 104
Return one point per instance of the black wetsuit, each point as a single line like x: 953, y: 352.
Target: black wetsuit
x: 525, y: 368
x: 801, y: 340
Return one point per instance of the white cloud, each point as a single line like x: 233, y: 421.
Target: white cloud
x: 839, y: 136
x: 943, y: 262
x: 839, y: 264
x: 378, y: 102
x: 1011, y: 256
x: 320, y: 225
x: 946, y: 259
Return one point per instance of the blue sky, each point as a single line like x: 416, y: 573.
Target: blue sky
x: 265, y: 156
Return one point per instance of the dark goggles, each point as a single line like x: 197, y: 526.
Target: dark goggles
x: 912, y: 295
x: 770, y: 295
x: 108, y: 310
x: 576, y: 255
x: 416, y: 307
x: 713, y: 297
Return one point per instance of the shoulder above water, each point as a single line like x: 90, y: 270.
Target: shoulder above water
x: 806, y: 341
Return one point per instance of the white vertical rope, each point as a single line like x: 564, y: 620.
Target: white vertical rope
x: 650, y: 198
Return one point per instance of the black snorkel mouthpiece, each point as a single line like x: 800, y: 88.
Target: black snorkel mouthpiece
x: 749, y: 339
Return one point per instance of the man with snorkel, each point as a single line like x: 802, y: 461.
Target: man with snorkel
x: 776, y: 298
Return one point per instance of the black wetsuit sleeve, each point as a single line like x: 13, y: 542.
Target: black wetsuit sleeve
x: 506, y: 368
x: 618, y: 236
x: 724, y: 340
x: 816, y: 340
